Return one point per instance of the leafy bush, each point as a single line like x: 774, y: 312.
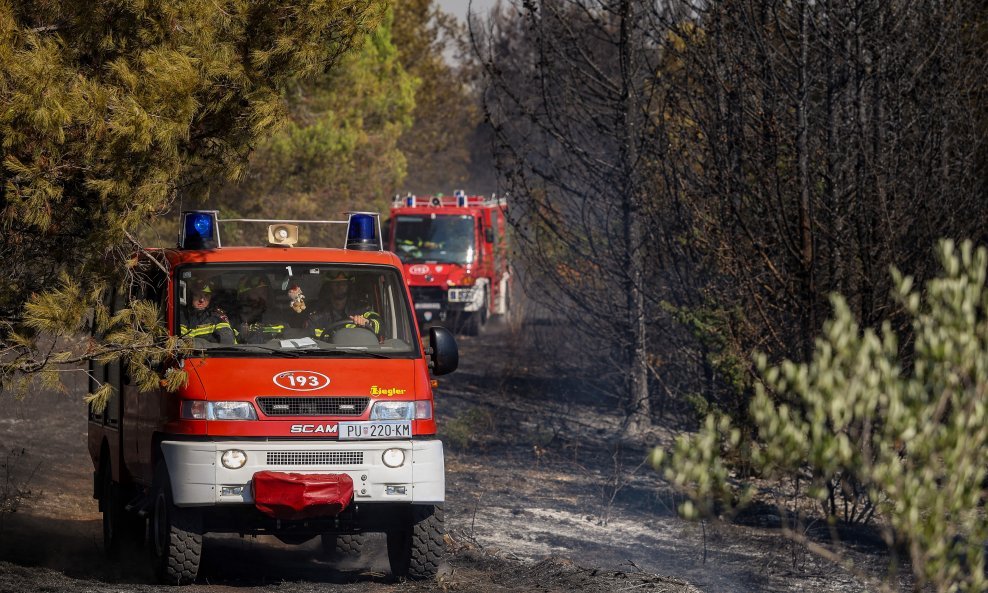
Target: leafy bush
x: 904, y: 423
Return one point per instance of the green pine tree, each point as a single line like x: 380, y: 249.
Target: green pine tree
x: 111, y: 110
x: 338, y: 150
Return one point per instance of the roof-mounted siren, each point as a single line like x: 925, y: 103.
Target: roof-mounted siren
x: 199, y: 230
x: 436, y: 201
x: 282, y: 235
x: 461, y: 198
x: 363, y: 231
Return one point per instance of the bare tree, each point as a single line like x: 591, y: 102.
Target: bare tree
x: 728, y: 165
x: 568, y: 100
x: 826, y: 141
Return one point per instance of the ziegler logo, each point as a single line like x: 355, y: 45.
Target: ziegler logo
x: 301, y: 380
x: 390, y: 391
x: 314, y: 428
x: 418, y: 269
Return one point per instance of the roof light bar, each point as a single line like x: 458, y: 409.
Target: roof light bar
x: 459, y: 199
x: 364, y: 231
x: 199, y: 230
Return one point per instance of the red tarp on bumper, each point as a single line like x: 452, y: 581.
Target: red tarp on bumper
x: 301, y: 496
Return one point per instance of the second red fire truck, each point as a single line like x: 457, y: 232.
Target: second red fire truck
x: 455, y: 257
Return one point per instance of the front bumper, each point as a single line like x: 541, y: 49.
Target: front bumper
x: 437, y: 304
x: 198, y: 478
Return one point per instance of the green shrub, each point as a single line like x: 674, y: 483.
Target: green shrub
x: 906, y: 425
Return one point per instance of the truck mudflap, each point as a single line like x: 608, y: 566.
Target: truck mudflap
x: 291, y: 496
x: 199, y: 478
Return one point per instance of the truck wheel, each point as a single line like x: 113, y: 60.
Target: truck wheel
x: 505, y: 317
x: 475, y: 321
x: 416, y: 548
x: 176, y: 536
x: 339, y: 547
x: 485, y: 311
x: 120, y: 527
x: 112, y: 507
x: 471, y: 325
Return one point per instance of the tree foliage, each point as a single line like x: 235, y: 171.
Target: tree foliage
x: 905, y: 432
x: 339, y: 149
x: 438, y: 145
x: 112, y: 109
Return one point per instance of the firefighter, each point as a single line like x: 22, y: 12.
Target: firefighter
x: 414, y: 247
x: 410, y: 247
x: 338, y: 308
x: 254, y: 324
x: 202, y: 321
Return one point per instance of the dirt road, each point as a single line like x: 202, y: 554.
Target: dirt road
x: 539, y: 497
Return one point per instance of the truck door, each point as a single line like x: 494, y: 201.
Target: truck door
x: 106, y: 424
x: 141, y: 410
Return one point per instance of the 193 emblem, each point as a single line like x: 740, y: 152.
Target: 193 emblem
x: 301, y: 380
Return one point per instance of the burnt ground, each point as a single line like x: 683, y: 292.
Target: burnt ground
x: 540, y: 497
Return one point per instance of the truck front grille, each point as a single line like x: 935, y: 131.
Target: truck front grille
x: 313, y: 406
x: 315, y: 457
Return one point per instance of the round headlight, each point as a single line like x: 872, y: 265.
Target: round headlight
x: 393, y: 457
x: 233, y: 459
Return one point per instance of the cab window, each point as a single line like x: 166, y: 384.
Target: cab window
x: 310, y: 309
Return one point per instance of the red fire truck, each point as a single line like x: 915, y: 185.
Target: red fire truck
x: 307, y: 410
x: 455, y: 256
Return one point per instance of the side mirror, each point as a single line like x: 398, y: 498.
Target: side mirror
x: 445, y: 356
x: 489, y: 235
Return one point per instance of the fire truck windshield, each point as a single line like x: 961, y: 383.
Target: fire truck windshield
x: 296, y: 309
x: 435, y: 237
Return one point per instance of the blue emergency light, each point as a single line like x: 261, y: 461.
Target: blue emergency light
x: 461, y: 198
x: 410, y: 200
x: 363, y: 231
x: 199, y: 230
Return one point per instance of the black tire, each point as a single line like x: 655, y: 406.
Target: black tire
x: 113, y: 509
x: 416, y: 549
x: 485, y: 311
x: 475, y: 321
x: 176, y: 536
x: 121, y: 528
x: 471, y: 325
x: 338, y: 547
x: 506, y: 316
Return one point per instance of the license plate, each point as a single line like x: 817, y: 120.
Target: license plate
x: 434, y: 306
x: 375, y: 430
x: 460, y: 295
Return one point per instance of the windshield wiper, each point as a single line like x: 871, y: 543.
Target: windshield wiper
x: 342, y: 352
x: 247, y: 349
